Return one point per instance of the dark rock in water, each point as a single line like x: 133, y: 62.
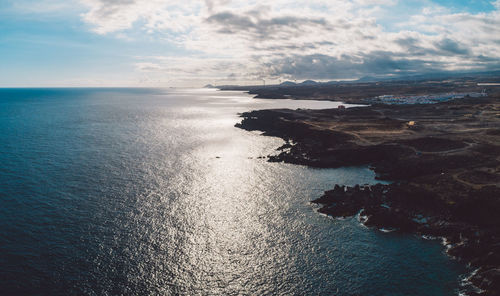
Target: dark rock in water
x: 488, y: 280
x: 287, y: 145
x: 382, y: 217
x: 397, y: 206
x: 380, y: 209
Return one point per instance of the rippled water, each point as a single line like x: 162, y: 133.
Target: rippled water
x: 154, y: 192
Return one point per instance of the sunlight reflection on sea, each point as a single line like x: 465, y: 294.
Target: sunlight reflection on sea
x: 153, y: 192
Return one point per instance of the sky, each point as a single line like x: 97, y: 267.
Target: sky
x: 163, y: 43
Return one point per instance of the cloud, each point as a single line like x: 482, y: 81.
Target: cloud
x: 261, y: 28
x: 315, y: 39
x: 347, y: 66
x: 107, y: 16
x: 182, y: 71
x: 452, y: 47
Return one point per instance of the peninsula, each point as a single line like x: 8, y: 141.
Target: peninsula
x: 442, y: 157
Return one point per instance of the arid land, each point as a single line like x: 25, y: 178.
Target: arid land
x: 363, y: 92
x: 443, y: 160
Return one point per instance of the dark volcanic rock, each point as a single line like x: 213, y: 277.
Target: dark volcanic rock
x: 378, y: 207
x: 447, y: 170
x: 488, y: 280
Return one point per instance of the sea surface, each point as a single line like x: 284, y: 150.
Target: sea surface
x: 155, y: 192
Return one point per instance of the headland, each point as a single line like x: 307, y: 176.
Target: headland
x: 442, y: 157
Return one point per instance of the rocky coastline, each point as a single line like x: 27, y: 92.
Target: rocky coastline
x: 443, y: 160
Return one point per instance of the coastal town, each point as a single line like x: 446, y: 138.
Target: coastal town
x: 424, y: 99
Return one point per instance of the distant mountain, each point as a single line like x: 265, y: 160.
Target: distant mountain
x: 209, y: 86
x: 438, y: 75
x: 333, y: 82
x: 370, y: 79
x: 485, y: 77
x: 309, y: 82
x: 288, y: 83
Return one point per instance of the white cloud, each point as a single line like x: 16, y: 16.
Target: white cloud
x: 116, y: 15
x: 299, y: 39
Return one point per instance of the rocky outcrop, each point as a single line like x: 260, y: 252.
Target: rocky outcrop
x: 446, y: 171
x: 382, y: 207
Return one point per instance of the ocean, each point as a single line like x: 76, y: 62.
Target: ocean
x: 155, y: 192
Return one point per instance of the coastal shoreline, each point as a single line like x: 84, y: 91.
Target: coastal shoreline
x: 444, y: 160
